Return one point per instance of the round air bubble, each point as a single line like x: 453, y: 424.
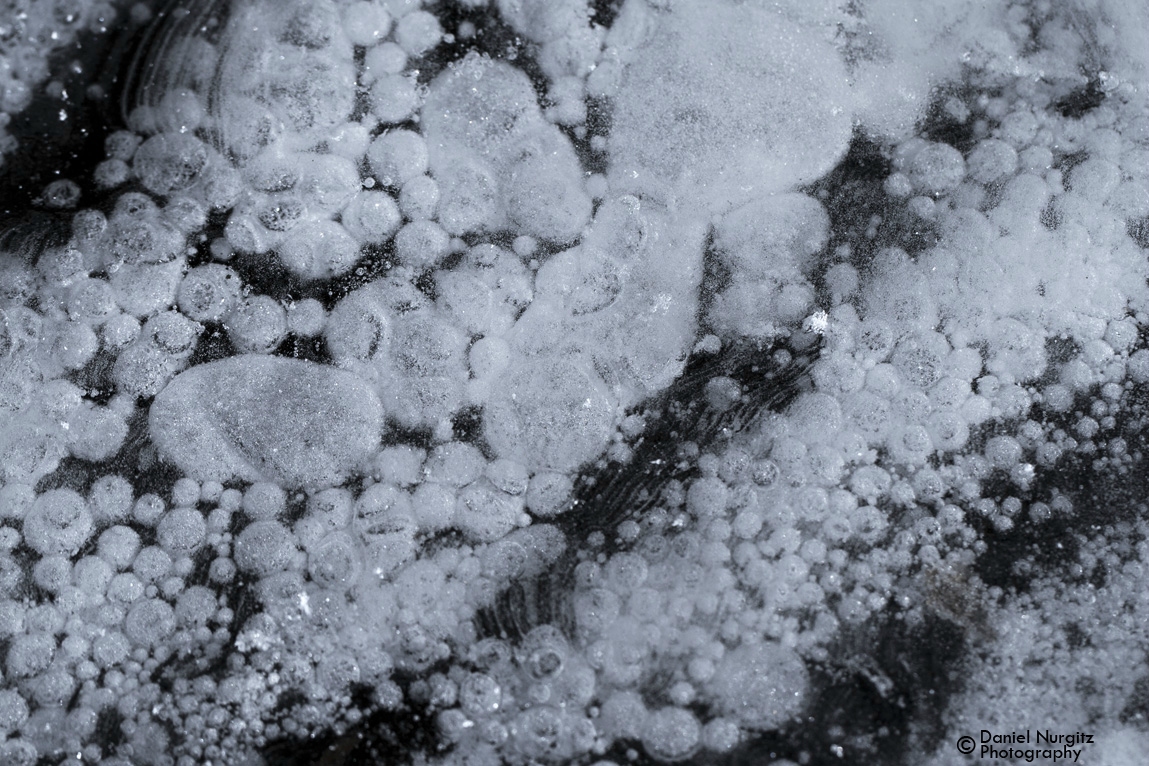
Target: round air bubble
x: 547, y: 202
x: 468, y: 196
x: 761, y: 687
x: 264, y: 500
x: 991, y: 160
x: 372, y: 217
x: 508, y: 476
x: 29, y: 655
x: 74, y: 344
x: 185, y: 215
x: 149, y: 622
x: 948, y: 430
x: 422, y: 244
x: 398, y: 156
x: 480, y: 695
x: 387, y: 58
x: 52, y: 573
x: 13, y: 711
x: 119, y: 331
x: 125, y: 588
x: 152, y: 563
x: 919, y: 358
x: 148, y: 509
x: 418, y: 32
x: 549, y: 493
x: 489, y: 356
x: 937, y: 168
x: 419, y: 198
x: 96, y: 434
x: 146, y: 288
x: 181, y: 531
x: 264, y: 547
x: 185, y: 493
x: 335, y: 561
x: 92, y: 575
x: 196, y: 606
x: 394, y: 98
x: 319, y: 250
x: 382, y: 509
x: 59, y: 523
x: 118, y: 546
x: 1094, y: 179
x: 1003, y: 451
x: 170, y: 162
x: 401, y: 465
x: 486, y: 514
x: 328, y: 182
x: 671, y: 734
x: 172, y: 332
x: 433, y: 506
x: 454, y: 463
x: 910, y: 444
x: 257, y: 325
x: 366, y: 23
x: 359, y: 327
x: 306, y: 318
x: 91, y: 301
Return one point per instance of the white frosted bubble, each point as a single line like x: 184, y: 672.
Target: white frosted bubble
x: 96, y: 433
x: 148, y: 509
x: 1094, y: 179
x: 948, y: 430
x: 366, y: 23
x: 149, y: 622
x: 910, y: 444
x: 335, y: 561
x: 13, y: 711
x: 142, y: 370
x: 387, y: 58
x: 264, y: 547
x: 52, y: 573
x: 454, y: 463
x: 623, y: 715
x: 120, y: 330
x: 125, y: 588
x: 119, y: 545
x: 546, y: 200
x: 468, y: 196
x: 181, y: 530
x: 762, y: 687
x: 671, y: 734
x: 937, y: 168
x: 383, y: 509
x: 59, y: 522
x: 372, y: 217
x: 92, y: 574
x: 196, y: 606
x: 419, y: 198
x: 418, y: 32
x: 1003, y: 451
x: 152, y: 563
x: 172, y: 332
x: 264, y: 500
x: 422, y: 244
x: 92, y: 301
x: 15, y: 500
x: 170, y: 162
x: 306, y: 318
x: 397, y: 156
x: 257, y: 324
x: 29, y: 655
x: 485, y: 513
x: 549, y: 493
x: 145, y: 288
x: 489, y: 356
x: 394, y: 98
x: 319, y: 250
x: 327, y: 182
x: 508, y: 476
x: 433, y: 506
x: 991, y: 160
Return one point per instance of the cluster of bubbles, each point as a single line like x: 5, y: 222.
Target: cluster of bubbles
x: 335, y: 529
